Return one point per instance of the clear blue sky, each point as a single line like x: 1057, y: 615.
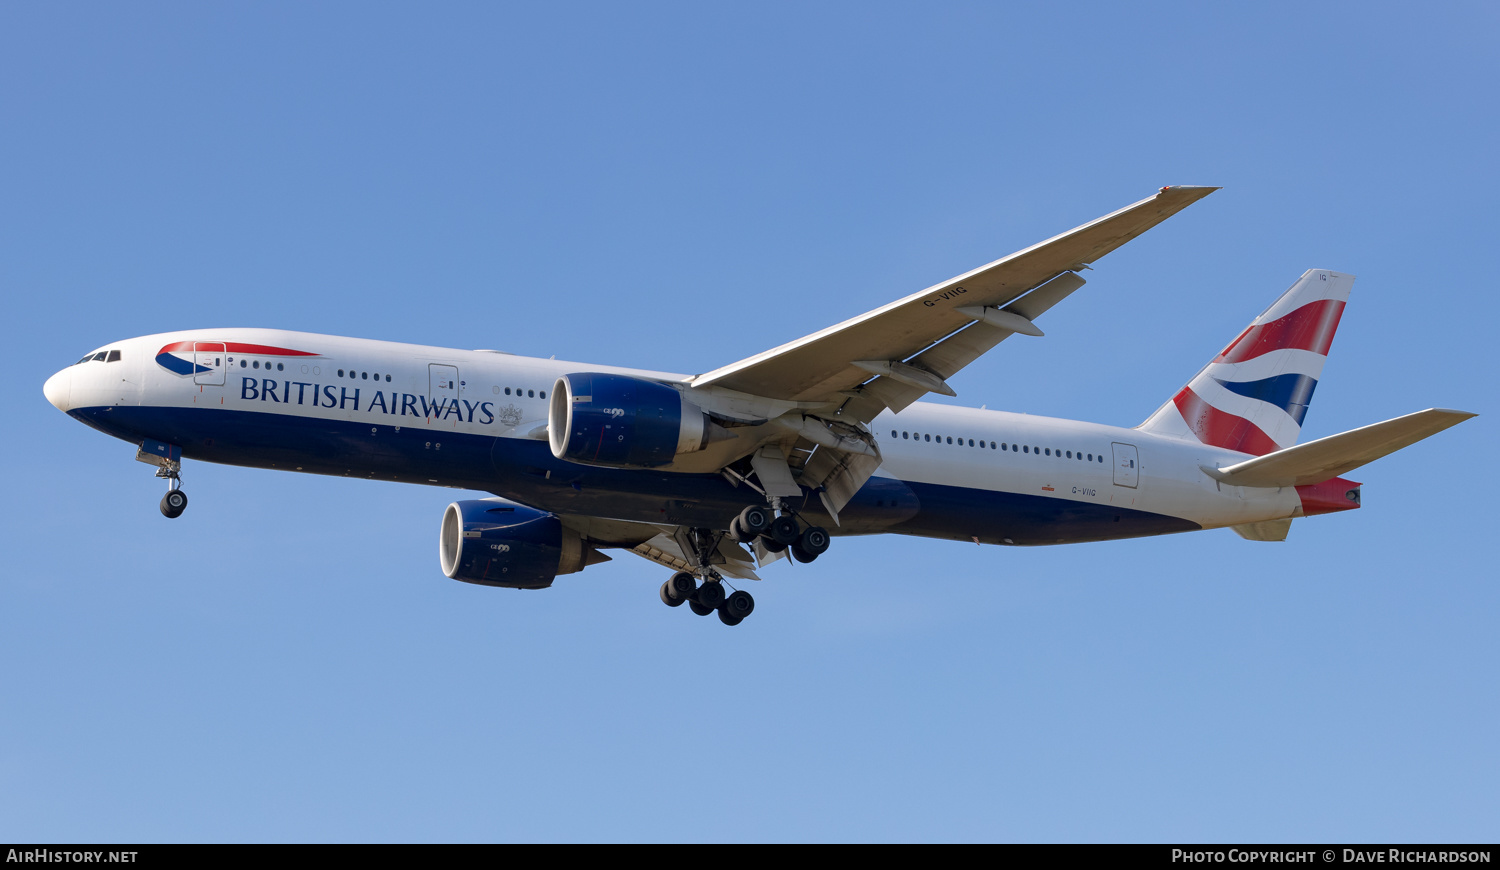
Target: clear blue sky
x: 677, y: 187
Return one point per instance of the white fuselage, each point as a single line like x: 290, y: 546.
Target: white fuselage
x: 476, y: 419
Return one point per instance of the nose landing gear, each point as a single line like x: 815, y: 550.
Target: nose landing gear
x: 168, y: 461
x: 175, y: 501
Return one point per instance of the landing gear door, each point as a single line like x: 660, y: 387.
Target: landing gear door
x: 443, y: 382
x: 1127, y: 465
x: 209, y: 363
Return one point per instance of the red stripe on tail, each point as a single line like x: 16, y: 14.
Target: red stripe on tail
x: 1221, y: 428
x: 1310, y: 327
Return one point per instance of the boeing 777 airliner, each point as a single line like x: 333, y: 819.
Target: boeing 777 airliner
x: 716, y: 475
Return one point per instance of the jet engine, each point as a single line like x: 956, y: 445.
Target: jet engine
x: 494, y: 542
x: 617, y: 421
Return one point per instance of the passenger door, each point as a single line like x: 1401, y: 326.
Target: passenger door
x: 208, y: 363
x: 1127, y: 470
x: 442, y: 383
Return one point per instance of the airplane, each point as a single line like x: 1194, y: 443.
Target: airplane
x: 718, y: 475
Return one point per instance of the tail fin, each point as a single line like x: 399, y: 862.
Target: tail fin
x: 1253, y: 396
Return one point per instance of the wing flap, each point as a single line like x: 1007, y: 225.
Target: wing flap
x: 1327, y: 458
x: 949, y: 356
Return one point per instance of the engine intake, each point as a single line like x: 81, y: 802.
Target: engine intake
x: 617, y: 421
x: 494, y: 542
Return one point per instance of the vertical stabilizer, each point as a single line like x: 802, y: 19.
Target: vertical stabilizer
x: 1253, y: 396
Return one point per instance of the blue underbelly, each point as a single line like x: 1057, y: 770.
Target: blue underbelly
x: 525, y: 470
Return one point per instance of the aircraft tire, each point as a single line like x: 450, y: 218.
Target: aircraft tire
x: 814, y: 541
x: 738, y: 605
x: 666, y: 595
x: 728, y: 618
x: 681, y: 586
x: 772, y: 545
x: 784, y: 530
x: 173, y: 504
x: 700, y: 609
x: 709, y: 595
x: 802, y: 555
x: 753, y: 521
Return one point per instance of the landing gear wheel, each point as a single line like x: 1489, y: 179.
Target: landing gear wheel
x: 811, y: 544
x: 784, y: 530
x: 737, y: 606
x: 709, y: 595
x: 666, y: 595
x: 728, y: 619
x: 681, y: 587
x: 700, y: 609
x: 772, y: 545
x: 173, y: 504
x: 753, y: 521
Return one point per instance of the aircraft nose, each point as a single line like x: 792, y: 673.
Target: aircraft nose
x: 59, y: 389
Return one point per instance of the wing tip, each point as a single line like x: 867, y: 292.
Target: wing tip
x: 1193, y: 192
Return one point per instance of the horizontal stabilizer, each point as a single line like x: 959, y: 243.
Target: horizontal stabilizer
x: 1325, y: 458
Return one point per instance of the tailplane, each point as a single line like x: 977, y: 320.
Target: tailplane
x: 1253, y: 396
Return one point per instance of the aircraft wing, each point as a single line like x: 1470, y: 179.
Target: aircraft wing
x: 911, y: 345
x: 663, y: 544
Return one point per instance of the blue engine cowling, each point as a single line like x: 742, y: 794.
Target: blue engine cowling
x: 619, y: 421
x: 495, y: 542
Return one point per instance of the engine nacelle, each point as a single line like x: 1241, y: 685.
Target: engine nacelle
x: 622, y: 422
x: 494, y: 542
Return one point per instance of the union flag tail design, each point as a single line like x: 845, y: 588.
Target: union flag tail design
x: 1253, y: 396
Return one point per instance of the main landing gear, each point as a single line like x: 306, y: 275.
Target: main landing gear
x: 682, y: 588
x: 775, y: 533
x: 175, y: 501
x: 778, y: 533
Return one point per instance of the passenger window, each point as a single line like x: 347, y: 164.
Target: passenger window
x: 926, y: 437
x: 364, y: 376
x: 903, y: 436
x: 950, y: 439
x: 541, y: 394
x: 531, y: 394
x: 1025, y: 449
x: 387, y: 378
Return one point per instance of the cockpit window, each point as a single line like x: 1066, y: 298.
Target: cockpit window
x: 84, y: 360
x: 99, y: 357
x: 114, y: 356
